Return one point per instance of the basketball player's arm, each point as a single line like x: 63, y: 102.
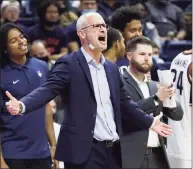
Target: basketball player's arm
x: 189, y: 74
x: 50, y: 127
x: 51, y: 134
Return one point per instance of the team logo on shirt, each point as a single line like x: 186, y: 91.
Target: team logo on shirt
x: 14, y: 82
x: 39, y: 73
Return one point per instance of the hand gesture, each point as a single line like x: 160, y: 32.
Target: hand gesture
x: 160, y: 128
x: 164, y: 93
x: 13, y: 105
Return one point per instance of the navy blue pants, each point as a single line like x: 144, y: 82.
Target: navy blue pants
x: 101, y: 157
x: 43, y: 163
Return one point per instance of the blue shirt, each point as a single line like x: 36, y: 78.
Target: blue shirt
x: 24, y: 137
x: 105, y: 127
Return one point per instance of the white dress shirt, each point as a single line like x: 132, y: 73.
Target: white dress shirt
x: 105, y: 127
x: 153, y: 140
x: 57, y: 132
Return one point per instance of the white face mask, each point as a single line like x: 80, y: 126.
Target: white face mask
x: 87, y: 10
x: 156, y: 56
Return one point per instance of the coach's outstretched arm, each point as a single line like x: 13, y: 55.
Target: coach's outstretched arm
x: 56, y: 83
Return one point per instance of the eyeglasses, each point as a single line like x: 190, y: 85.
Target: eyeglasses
x: 98, y: 26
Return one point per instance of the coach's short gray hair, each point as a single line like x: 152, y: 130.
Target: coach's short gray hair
x: 82, y: 20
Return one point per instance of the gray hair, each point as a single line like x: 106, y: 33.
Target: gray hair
x: 8, y: 3
x: 39, y: 41
x: 82, y: 20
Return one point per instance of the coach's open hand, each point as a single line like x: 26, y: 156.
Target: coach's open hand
x: 161, y: 128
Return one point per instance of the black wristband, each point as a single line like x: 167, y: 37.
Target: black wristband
x: 156, y: 98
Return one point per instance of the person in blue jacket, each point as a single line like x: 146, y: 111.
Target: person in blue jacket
x: 24, y: 139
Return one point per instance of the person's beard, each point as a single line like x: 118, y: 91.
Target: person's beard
x: 140, y: 68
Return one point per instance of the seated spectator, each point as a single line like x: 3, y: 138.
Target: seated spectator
x: 156, y: 53
x: 75, y: 4
x: 188, y: 23
x: 31, y: 7
x: 89, y: 6
x: 48, y: 29
x: 10, y: 12
x: 149, y: 29
x: 67, y: 17
x: 38, y: 49
x: 108, y: 7
x: 157, y: 61
x: 167, y: 17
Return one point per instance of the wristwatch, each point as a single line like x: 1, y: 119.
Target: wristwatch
x: 156, y: 98
x: 20, y: 108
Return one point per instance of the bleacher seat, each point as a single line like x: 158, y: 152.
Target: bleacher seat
x: 172, y: 48
x: 182, y: 3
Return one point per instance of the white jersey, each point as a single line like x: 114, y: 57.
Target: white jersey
x: 57, y: 132
x: 179, y: 144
